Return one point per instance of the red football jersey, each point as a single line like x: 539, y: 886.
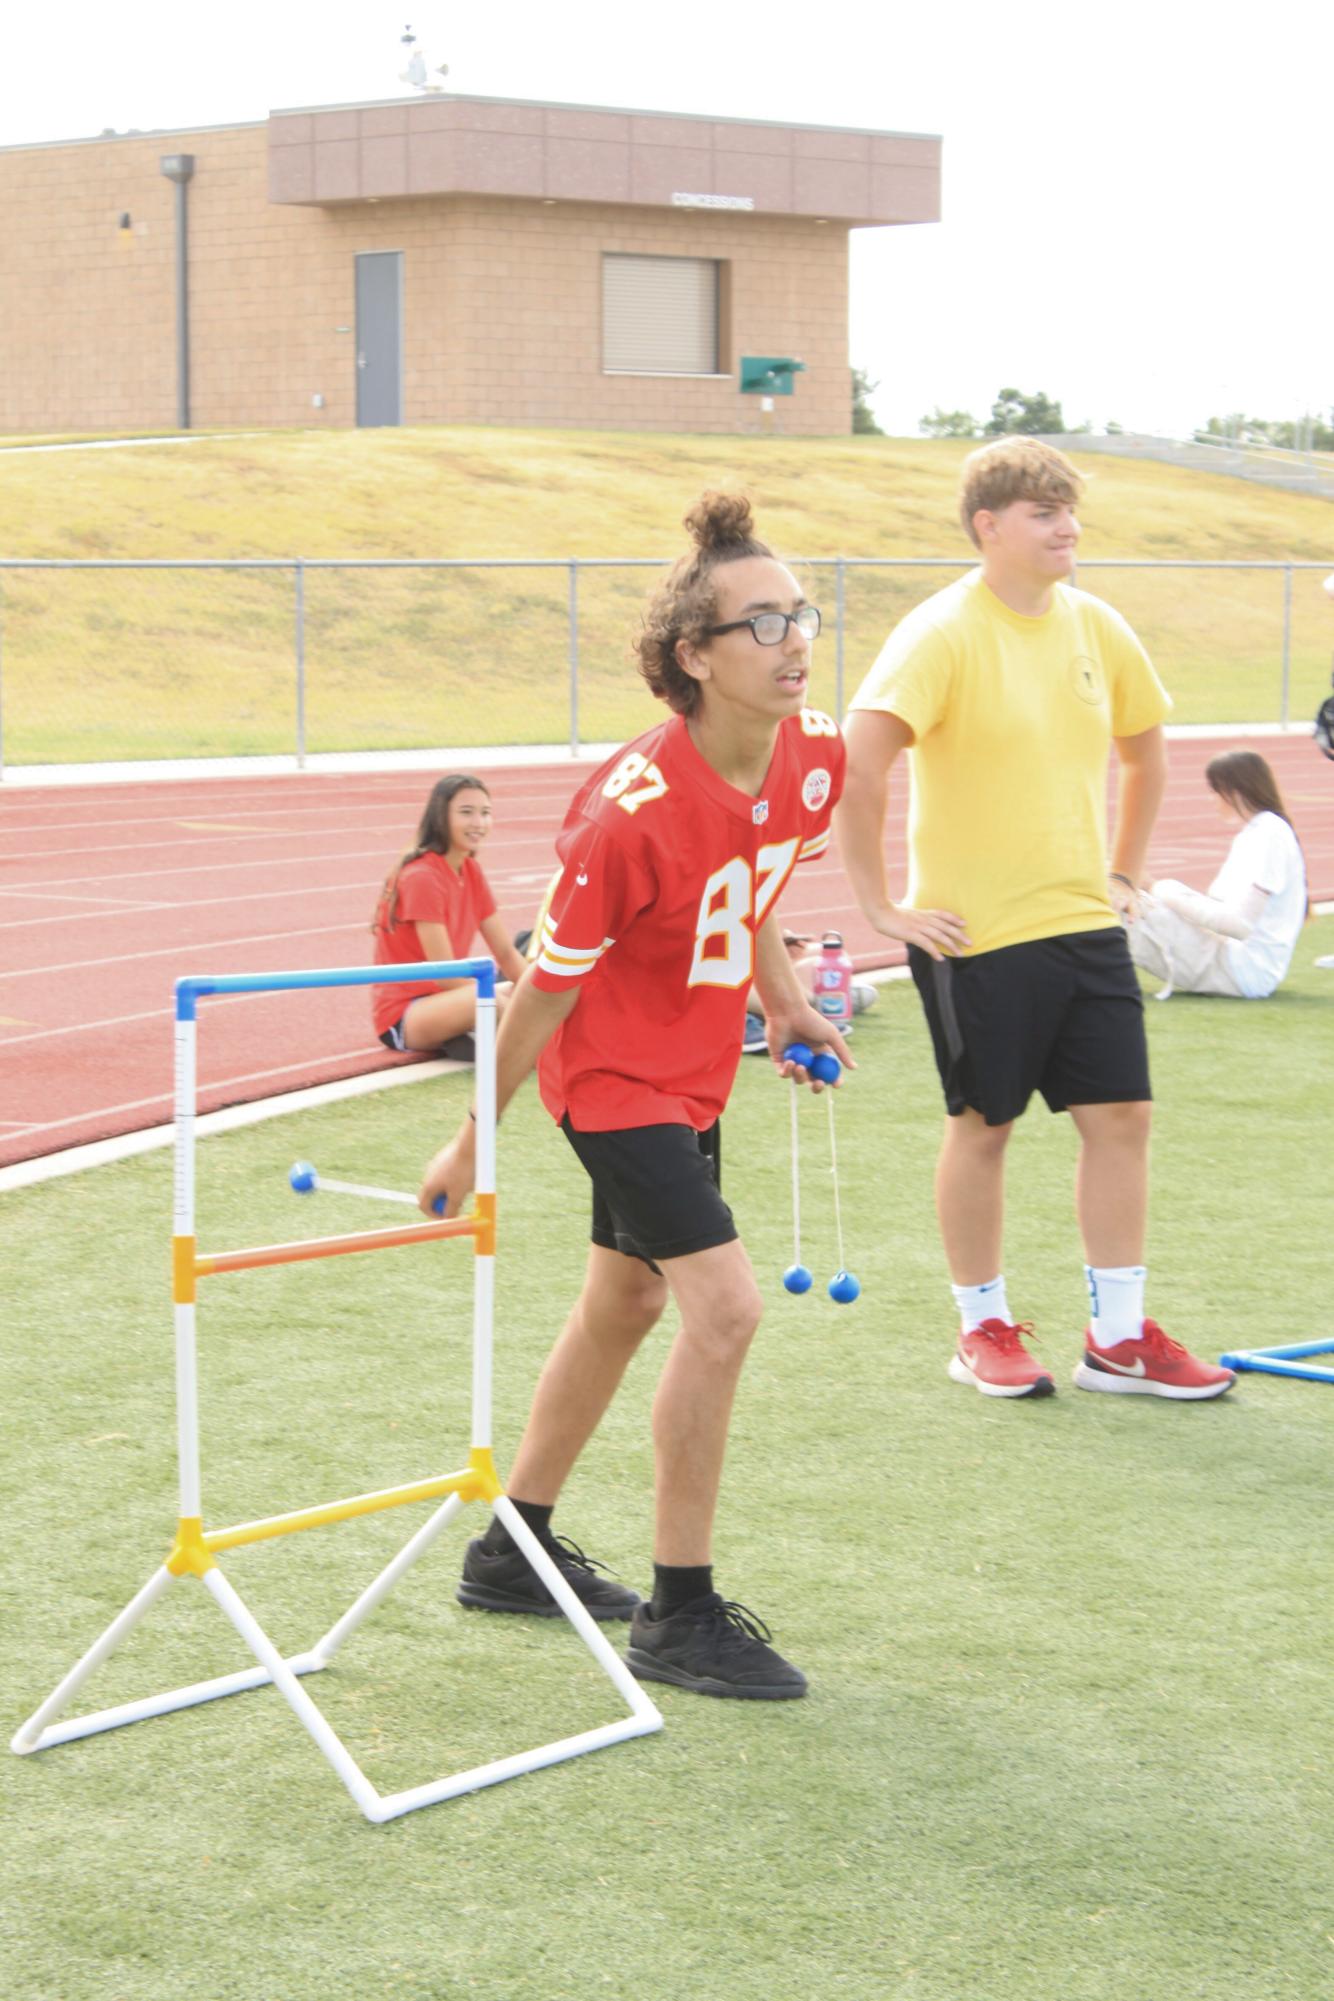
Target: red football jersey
x: 667, y: 874
x: 429, y: 892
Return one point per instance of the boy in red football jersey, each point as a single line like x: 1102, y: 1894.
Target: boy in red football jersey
x: 673, y: 858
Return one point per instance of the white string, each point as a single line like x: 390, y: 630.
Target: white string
x: 796, y: 1178
x: 833, y: 1169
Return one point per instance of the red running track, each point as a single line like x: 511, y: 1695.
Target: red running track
x: 109, y: 892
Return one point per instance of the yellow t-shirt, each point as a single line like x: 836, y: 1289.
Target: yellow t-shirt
x: 1013, y: 718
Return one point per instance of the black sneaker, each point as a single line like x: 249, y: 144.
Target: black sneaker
x: 501, y: 1581
x: 714, y: 1647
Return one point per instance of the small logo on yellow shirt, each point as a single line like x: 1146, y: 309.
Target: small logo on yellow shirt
x: 1086, y: 679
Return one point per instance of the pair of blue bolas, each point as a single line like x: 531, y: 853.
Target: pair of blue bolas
x: 843, y: 1287
x: 825, y: 1069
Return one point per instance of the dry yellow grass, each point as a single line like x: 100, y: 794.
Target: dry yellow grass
x: 111, y: 664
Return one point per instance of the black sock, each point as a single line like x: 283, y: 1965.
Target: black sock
x: 675, y: 1585
x: 535, y: 1513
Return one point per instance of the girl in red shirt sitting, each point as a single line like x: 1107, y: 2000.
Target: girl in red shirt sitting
x: 434, y: 902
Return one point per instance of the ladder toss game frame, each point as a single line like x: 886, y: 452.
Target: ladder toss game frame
x: 195, y: 1549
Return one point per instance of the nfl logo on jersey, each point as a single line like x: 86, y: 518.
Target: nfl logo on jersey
x: 759, y: 812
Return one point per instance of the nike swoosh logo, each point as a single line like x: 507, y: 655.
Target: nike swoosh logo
x: 1102, y: 1361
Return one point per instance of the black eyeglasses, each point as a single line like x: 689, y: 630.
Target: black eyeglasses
x: 770, y: 627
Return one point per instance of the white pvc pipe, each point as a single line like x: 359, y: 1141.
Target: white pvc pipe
x: 29, y: 1736
x: 184, y: 1163
x: 187, y: 1697
x: 379, y: 1587
x: 389, y: 1806
x: 259, y: 1643
x: 187, y: 1369
x: 577, y: 1614
x: 483, y: 1307
x: 323, y: 1183
x: 484, y: 1058
x: 187, y: 1411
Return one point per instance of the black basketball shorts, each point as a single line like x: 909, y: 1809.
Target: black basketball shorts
x: 1063, y: 1016
x: 656, y: 1189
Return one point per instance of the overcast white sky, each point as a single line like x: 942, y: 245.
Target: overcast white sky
x: 1138, y: 209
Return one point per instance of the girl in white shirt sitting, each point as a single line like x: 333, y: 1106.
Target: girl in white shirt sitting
x: 1239, y: 939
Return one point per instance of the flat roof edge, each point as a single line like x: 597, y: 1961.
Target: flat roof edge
x: 612, y: 111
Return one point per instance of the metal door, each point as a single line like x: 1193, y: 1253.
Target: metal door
x: 380, y: 337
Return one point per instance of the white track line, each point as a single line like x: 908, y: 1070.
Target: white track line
x: 172, y: 952
x: 210, y: 1084
x: 102, y: 1152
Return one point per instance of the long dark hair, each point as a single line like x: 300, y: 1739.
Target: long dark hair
x: 1244, y: 778
x: 432, y: 839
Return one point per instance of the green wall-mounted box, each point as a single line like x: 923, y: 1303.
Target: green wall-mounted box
x: 768, y: 374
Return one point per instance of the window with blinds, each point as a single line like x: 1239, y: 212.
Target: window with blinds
x: 659, y: 315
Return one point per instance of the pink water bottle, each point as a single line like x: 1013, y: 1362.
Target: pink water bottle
x: 833, y: 981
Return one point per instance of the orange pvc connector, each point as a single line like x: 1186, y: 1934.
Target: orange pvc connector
x: 484, y: 1225
x: 182, y: 1270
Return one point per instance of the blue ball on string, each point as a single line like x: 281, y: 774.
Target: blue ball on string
x: 825, y: 1068
x: 798, y: 1279
x: 799, y: 1052
x: 844, y: 1288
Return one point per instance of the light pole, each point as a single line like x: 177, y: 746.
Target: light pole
x: 179, y: 167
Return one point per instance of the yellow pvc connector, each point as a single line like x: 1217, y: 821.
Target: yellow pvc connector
x: 486, y: 1481
x: 183, y: 1270
x: 189, y: 1554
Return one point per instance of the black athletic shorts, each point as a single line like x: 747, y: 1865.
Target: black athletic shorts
x: 656, y: 1189
x: 1063, y: 1016
x: 459, y: 1048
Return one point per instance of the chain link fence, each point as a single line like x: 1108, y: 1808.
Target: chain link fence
x: 110, y: 661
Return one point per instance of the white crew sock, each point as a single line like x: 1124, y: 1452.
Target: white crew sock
x: 1116, y: 1303
x: 977, y: 1303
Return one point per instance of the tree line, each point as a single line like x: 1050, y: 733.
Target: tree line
x: 1016, y: 414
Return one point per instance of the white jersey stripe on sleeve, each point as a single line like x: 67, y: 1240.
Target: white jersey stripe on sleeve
x: 816, y: 846
x: 568, y: 962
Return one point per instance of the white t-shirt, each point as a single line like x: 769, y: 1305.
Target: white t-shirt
x: 1265, y: 855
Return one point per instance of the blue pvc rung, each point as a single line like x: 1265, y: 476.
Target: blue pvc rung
x: 1257, y: 1363
x: 194, y: 987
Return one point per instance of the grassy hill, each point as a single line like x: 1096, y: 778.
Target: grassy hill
x: 107, y: 663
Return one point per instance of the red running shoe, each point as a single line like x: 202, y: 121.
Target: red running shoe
x: 994, y: 1360
x: 1153, y: 1366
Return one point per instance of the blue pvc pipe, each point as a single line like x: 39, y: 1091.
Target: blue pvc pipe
x: 1258, y: 1364
x: 194, y: 988
x: 1295, y: 1353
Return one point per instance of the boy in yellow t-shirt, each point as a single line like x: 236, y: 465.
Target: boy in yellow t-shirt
x: 1010, y: 688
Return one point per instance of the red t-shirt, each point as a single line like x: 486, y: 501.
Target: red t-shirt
x: 667, y: 873
x: 429, y: 892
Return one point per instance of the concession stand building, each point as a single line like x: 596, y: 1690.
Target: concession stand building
x: 443, y: 260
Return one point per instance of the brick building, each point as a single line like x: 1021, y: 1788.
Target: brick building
x: 441, y: 260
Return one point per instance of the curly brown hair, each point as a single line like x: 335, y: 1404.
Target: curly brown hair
x: 685, y: 605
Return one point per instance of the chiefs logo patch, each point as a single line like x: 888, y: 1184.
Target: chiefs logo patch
x: 815, y: 789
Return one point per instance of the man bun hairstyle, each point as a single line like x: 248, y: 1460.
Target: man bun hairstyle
x: 1015, y: 469
x: 685, y: 604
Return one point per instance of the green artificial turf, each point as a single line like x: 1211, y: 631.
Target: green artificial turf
x: 1070, y: 1660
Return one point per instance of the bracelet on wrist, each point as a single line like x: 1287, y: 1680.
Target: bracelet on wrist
x: 1115, y: 875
